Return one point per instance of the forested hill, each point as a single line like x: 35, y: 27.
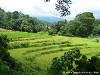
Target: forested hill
x: 20, y: 22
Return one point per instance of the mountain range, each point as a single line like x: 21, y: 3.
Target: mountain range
x: 49, y: 19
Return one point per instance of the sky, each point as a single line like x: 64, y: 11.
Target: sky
x: 41, y: 8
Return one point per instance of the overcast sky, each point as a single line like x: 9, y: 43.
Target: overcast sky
x: 41, y: 8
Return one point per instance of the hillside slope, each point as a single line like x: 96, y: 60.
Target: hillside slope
x: 36, y: 51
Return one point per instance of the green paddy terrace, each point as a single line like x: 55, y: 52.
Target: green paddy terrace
x: 36, y: 50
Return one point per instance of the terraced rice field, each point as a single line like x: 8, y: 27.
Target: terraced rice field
x: 36, y: 51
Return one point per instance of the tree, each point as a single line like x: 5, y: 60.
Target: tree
x: 15, y: 15
x: 96, y: 29
x: 17, y: 21
x: 73, y: 61
x: 58, y: 27
x: 72, y: 28
x: 88, y: 65
x: 2, y: 14
x: 97, y: 21
x: 4, y: 54
x: 64, y: 64
x: 82, y: 25
x: 63, y: 6
x: 86, y: 22
x: 25, y: 26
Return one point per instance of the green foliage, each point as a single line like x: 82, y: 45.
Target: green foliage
x: 82, y: 25
x: 58, y: 28
x: 88, y: 65
x: 51, y: 32
x: 43, y: 48
x: 96, y: 30
x: 19, y: 22
x: 73, y: 61
x: 5, y: 56
x: 97, y: 21
x: 5, y: 70
x: 64, y: 64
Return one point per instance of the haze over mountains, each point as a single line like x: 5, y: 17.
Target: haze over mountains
x: 49, y: 19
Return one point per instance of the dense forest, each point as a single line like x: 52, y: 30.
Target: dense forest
x: 83, y: 25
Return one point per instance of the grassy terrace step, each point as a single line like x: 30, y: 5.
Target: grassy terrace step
x: 51, y: 41
x: 25, y: 39
x: 61, y: 43
x: 55, y: 47
x: 14, y: 35
x: 18, y: 54
x: 56, y: 50
x: 38, y: 43
x: 41, y: 49
x: 32, y: 48
x: 33, y: 52
x: 37, y: 39
x: 25, y: 51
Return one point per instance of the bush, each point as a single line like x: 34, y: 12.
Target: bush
x: 73, y: 61
x: 64, y: 63
x: 5, y: 59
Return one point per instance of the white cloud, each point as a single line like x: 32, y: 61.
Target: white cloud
x: 41, y: 8
x: 32, y: 7
x: 80, y: 6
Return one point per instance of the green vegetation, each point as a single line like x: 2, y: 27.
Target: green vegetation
x: 36, y: 51
x: 34, y: 44
x: 81, y: 26
x: 73, y: 62
x: 17, y: 21
x: 7, y: 63
x: 23, y: 35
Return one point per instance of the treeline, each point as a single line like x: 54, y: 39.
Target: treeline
x: 83, y: 25
x: 18, y: 21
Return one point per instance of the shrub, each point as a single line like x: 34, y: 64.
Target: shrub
x: 73, y: 61
x: 65, y: 63
x: 9, y: 63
